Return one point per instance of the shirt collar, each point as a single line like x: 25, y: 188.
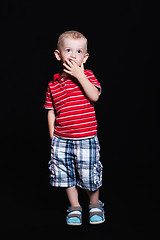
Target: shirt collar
x: 57, y: 77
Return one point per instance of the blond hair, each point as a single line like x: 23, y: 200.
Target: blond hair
x: 70, y: 34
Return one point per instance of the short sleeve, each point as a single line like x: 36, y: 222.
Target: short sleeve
x: 91, y: 77
x: 49, y: 100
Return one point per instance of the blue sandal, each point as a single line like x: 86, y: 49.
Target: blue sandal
x: 96, y: 213
x: 74, y: 216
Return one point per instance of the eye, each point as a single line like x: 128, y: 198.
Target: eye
x: 68, y: 50
x: 79, y: 51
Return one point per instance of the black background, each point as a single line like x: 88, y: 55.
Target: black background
x: 123, y: 47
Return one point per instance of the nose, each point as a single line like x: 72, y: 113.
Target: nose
x: 73, y: 54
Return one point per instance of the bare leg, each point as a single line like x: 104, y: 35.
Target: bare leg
x: 72, y: 193
x: 93, y: 196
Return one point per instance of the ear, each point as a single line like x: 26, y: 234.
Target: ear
x: 86, y: 56
x: 57, y: 54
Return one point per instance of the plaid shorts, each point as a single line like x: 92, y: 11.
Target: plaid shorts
x: 75, y: 162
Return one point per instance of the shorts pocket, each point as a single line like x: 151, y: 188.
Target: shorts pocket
x: 52, y: 140
x: 97, y: 173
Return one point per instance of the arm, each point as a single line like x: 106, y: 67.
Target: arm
x: 90, y: 90
x: 51, y: 122
x: 78, y: 72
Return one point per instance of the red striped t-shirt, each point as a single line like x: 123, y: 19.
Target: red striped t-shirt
x: 75, y: 113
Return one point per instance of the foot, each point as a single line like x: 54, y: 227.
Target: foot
x: 96, y: 213
x: 74, y: 216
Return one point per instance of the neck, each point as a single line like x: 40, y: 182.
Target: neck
x: 65, y: 75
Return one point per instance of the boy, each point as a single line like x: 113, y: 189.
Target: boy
x: 72, y: 126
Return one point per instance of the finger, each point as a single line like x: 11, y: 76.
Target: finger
x: 67, y: 71
x: 69, y: 62
x: 82, y: 66
x: 72, y: 59
x: 67, y: 66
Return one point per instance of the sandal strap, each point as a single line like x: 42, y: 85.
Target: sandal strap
x: 96, y: 205
x: 73, y: 216
x: 96, y: 213
x: 71, y: 209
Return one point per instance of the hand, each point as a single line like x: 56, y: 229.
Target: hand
x: 51, y: 136
x: 73, y: 69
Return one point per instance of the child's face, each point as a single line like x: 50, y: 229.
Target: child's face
x: 72, y: 49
